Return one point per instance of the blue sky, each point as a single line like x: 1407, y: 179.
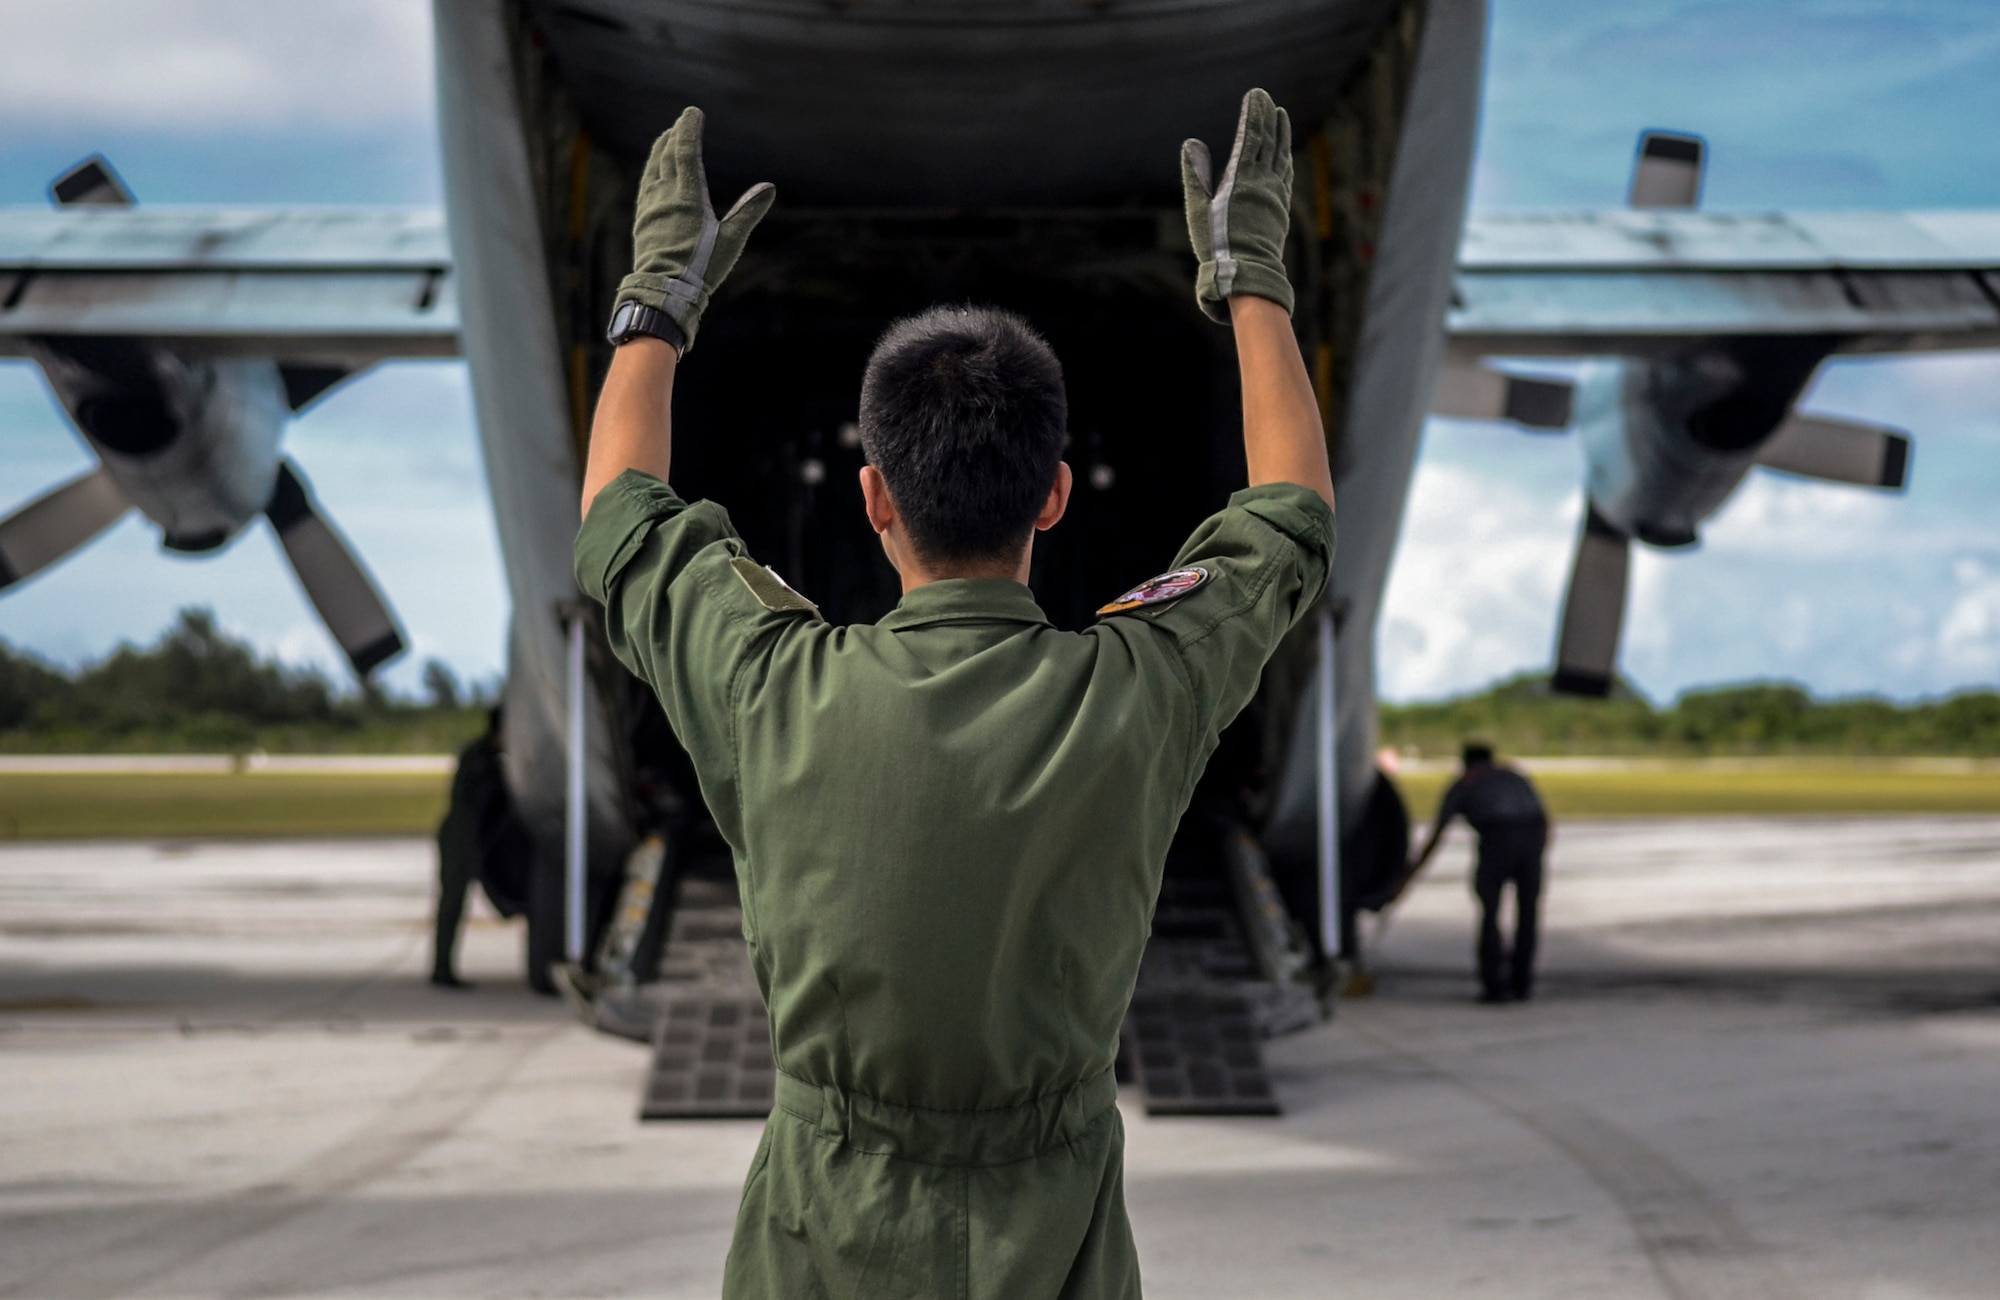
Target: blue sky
x: 1805, y: 105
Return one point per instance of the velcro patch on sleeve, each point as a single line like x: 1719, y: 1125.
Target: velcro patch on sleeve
x: 1158, y: 591
x: 771, y: 591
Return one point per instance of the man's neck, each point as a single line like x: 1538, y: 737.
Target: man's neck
x: 915, y: 573
x: 914, y: 578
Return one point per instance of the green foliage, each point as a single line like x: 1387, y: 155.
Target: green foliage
x: 197, y: 689
x: 1523, y: 716
x: 441, y: 684
x: 27, y: 684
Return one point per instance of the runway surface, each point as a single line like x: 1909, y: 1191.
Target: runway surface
x: 1765, y: 1063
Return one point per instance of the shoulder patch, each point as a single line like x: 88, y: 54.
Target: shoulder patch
x: 1158, y: 591
x: 771, y: 591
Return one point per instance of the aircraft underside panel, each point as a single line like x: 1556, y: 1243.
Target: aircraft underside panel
x: 944, y: 103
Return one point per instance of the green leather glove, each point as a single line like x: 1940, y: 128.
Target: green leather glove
x: 680, y: 251
x: 1238, y: 227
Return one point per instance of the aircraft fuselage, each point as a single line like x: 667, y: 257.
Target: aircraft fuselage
x: 1023, y: 154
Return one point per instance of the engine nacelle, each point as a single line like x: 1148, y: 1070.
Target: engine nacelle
x: 192, y: 444
x: 1668, y: 440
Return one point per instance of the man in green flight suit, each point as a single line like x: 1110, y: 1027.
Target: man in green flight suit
x: 949, y: 828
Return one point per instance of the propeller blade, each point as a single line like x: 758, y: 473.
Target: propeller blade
x: 1669, y: 170
x: 56, y: 523
x: 1594, y: 609
x: 91, y: 183
x: 1839, y: 451
x: 334, y: 580
x: 1470, y: 392
x: 305, y: 383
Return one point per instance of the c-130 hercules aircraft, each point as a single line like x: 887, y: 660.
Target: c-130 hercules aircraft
x: 1017, y: 152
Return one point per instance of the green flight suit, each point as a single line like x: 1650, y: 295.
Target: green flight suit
x: 949, y: 830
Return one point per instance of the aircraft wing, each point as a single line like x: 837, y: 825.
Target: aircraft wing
x: 332, y: 287
x: 353, y: 286
x: 1630, y: 282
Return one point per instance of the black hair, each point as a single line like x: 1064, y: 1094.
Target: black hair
x: 963, y: 412
x: 1475, y: 753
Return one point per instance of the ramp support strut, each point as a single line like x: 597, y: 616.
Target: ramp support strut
x: 1329, y: 788
x: 575, y: 815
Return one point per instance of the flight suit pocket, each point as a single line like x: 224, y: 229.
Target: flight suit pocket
x: 887, y: 1228
x: 772, y: 1251
x: 758, y: 1164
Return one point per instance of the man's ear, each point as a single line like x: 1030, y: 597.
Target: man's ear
x: 875, y: 498
x: 1052, y: 509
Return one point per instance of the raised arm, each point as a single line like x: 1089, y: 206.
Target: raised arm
x: 680, y: 251
x: 1283, y: 440
x: 1238, y: 225
x: 633, y: 427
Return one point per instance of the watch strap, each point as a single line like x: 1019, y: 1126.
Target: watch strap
x: 632, y: 319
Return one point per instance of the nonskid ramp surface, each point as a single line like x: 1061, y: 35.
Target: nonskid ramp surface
x: 1191, y: 1040
x: 711, y: 1035
x: 711, y: 1060
x: 1194, y: 1051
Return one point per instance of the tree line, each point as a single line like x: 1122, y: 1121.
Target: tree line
x: 1522, y: 716
x: 198, y: 689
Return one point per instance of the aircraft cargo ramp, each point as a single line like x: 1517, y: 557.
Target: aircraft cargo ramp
x: 1191, y: 1042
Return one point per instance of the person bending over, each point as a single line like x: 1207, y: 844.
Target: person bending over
x: 1501, y: 806
x: 949, y: 827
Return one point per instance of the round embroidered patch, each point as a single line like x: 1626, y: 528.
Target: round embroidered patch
x: 1156, y: 591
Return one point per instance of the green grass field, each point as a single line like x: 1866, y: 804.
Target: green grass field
x: 190, y: 805
x: 1821, y: 787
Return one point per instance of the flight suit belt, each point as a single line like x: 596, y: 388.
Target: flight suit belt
x: 947, y: 1137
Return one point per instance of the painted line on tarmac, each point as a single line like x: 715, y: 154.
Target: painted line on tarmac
x: 1697, y: 1246
x: 174, y: 1239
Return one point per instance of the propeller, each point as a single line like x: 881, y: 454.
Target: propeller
x: 334, y: 581
x: 1660, y: 490
x: 1593, y: 610
x: 1839, y: 451
x: 193, y: 466
x: 1668, y: 171
x: 56, y: 523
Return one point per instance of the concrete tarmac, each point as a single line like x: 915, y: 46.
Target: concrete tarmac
x: 1765, y: 1062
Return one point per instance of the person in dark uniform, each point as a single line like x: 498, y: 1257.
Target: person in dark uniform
x: 478, y: 804
x: 1501, y: 806
x: 950, y: 827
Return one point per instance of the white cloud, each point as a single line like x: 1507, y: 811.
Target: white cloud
x: 1968, y: 638
x: 207, y: 64
x: 1477, y: 581
x: 300, y: 645
x: 1775, y: 517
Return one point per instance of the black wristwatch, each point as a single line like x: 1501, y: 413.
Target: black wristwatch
x: 633, y: 319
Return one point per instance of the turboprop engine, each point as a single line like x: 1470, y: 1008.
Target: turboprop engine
x: 192, y: 443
